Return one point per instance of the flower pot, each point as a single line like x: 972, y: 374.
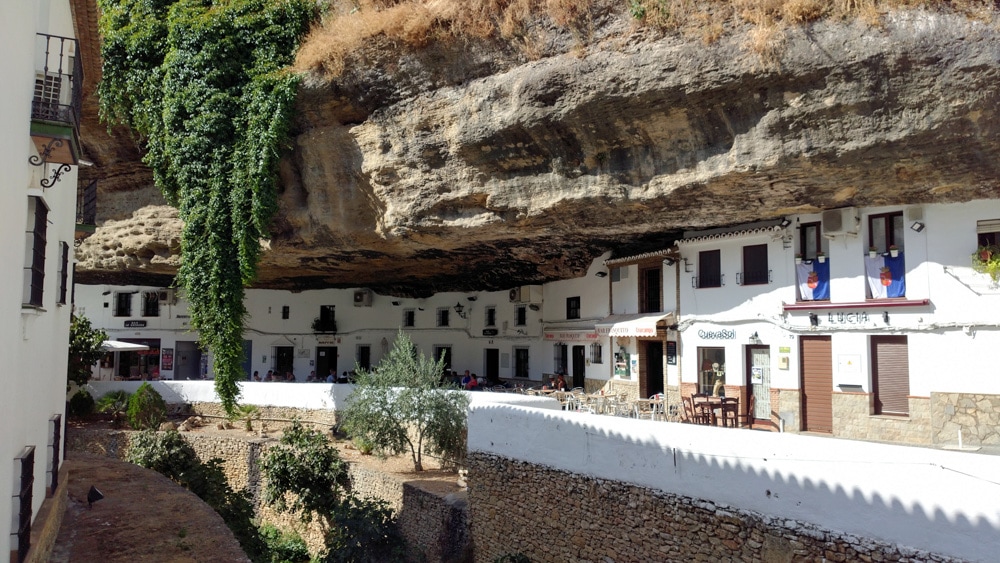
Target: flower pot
x: 798, y: 259
x: 894, y: 253
x: 821, y: 258
x: 872, y: 254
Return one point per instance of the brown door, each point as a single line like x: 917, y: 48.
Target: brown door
x: 817, y: 383
x: 890, y: 375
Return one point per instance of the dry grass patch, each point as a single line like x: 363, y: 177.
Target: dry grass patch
x: 351, y: 25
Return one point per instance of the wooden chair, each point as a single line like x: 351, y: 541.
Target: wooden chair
x: 730, y: 411
x: 703, y: 412
x: 747, y: 417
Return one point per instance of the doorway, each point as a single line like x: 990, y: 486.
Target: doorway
x: 816, y: 353
x: 188, y: 362
x: 284, y: 358
x: 579, y: 366
x: 492, y: 360
x: 364, y: 357
x: 521, y: 362
x: 652, y: 383
x: 326, y: 362
x: 758, y: 382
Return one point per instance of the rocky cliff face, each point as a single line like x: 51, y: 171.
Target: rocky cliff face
x: 461, y: 167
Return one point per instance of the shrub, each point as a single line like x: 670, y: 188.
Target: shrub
x: 363, y: 530
x: 81, y: 404
x: 146, y: 408
x: 114, y: 403
x: 306, y: 465
x: 284, y: 547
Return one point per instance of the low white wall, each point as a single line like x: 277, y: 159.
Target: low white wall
x: 299, y: 395
x: 940, y: 501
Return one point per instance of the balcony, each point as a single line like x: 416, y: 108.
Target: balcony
x: 321, y: 325
x: 55, y: 108
x: 86, y: 210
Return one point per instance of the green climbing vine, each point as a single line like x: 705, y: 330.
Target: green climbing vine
x: 203, y: 83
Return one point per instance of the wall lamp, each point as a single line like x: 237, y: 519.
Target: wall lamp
x: 813, y: 319
x: 784, y: 222
x: 669, y: 261
x: 534, y: 307
x: 754, y: 339
x: 472, y: 298
x: 688, y: 266
x: 460, y: 310
x: 395, y: 303
x: 601, y: 274
x: 917, y: 226
x: 885, y: 317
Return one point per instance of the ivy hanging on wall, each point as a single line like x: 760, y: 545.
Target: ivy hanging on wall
x: 203, y: 83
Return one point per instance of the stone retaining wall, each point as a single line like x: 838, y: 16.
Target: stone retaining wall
x: 435, y: 527
x: 275, y: 418
x: 553, y: 515
x: 853, y: 419
x: 977, y: 416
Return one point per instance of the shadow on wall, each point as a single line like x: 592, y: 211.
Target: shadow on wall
x: 927, y: 499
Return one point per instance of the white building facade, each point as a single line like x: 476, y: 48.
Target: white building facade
x: 39, y: 152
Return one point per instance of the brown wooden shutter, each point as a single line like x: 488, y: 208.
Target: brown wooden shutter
x: 890, y: 375
x: 817, y: 383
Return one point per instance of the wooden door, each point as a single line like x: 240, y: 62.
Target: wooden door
x: 817, y: 383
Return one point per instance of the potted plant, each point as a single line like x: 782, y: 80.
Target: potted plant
x: 893, y: 250
x: 986, y: 260
x: 798, y: 258
x: 821, y: 257
x: 872, y: 252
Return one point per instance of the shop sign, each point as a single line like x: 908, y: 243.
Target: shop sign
x: 671, y: 353
x: 167, y: 359
x: 571, y: 335
x: 717, y: 334
x: 848, y: 318
x: 135, y: 324
x: 490, y: 332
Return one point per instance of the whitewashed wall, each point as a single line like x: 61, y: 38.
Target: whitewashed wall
x: 927, y: 499
x: 33, y: 342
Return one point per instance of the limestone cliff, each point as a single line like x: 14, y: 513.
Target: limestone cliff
x: 464, y: 166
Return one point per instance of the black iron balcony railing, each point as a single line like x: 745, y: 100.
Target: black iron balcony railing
x: 59, y: 80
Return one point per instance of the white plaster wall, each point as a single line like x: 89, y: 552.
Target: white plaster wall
x: 861, y: 488
x: 625, y: 293
x: 33, y: 343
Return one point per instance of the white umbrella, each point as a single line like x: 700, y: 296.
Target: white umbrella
x: 119, y: 346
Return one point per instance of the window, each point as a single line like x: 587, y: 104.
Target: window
x: 491, y: 316
x: 443, y: 353
x: 47, y: 99
x: 988, y: 232
x: 22, y: 525
x: 885, y: 230
x: 63, y: 272
x: 442, y: 317
x: 123, y: 305
x: 34, y: 256
x: 650, y: 290
x: 409, y: 318
x: 710, y: 268
x: 285, y: 312
x: 620, y: 273
x: 572, y: 307
x: 755, y: 270
x: 55, y: 449
x: 521, y: 362
x: 596, y: 353
x: 559, y: 358
x: 521, y: 316
x: 890, y: 375
x: 712, y: 375
x: 810, y: 240
x: 151, y: 303
x: 327, y: 320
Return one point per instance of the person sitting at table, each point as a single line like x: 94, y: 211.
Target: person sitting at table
x: 561, y: 383
x: 269, y: 376
x: 331, y: 376
x: 256, y: 376
x: 465, y: 380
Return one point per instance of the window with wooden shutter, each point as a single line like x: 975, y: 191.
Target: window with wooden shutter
x: 890, y: 375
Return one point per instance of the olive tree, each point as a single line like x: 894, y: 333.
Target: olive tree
x: 402, y: 406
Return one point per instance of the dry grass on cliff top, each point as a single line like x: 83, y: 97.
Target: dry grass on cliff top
x: 351, y: 25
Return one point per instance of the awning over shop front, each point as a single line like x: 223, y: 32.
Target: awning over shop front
x: 119, y: 346
x: 570, y: 334
x: 642, y: 324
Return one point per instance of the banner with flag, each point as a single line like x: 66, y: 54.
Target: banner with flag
x: 886, y: 275
x: 813, y: 278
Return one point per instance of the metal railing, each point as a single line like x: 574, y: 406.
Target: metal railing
x: 59, y: 82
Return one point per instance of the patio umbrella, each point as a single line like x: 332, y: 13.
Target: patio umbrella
x: 119, y: 346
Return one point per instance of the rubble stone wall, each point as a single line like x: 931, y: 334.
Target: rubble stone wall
x: 853, y: 419
x: 975, y: 415
x: 553, y: 515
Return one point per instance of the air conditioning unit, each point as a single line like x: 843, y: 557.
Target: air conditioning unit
x: 362, y: 298
x: 531, y: 294
x: 168, y: 296
x: 841, y: 222
x: 515, y: 295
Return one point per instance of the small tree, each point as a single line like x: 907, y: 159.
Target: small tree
x: 84, y: 349
x: 402, y: 406
x: 146, y: 408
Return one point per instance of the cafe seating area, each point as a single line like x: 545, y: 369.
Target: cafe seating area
x: 708, y: 410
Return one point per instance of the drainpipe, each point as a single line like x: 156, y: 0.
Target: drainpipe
x: 677, y: 319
